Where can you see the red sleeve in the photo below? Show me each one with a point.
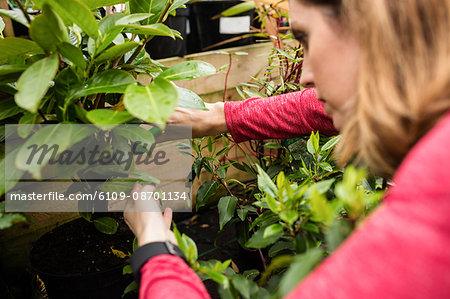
(284, 116)
(169, 277)
(402, 251)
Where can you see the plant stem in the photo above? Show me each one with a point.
(226, 77)
(23, 10)
(42, 115)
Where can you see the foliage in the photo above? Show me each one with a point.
(81, 68)
(294, 218)
(299, 206)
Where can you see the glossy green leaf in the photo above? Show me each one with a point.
(48, 30)
(206, 190)
(238, 9)
(152, 29)
(109, 81)
(132, 287)
(61, 135)
(34, 83)
(13, 47)
(154, 7)
(9, 108)
(106, 116)
(16, 15)
(106, 225)
(73, 54)
(177, 4)
(188, 70)
(133, 18)
(226, 207)
(265, 183)
(27, 119)
(265, 237)
(153, 103)
(189, 99)
(116, 51)
(75, 12)
(330, 143)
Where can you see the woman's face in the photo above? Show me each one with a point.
(331, 57)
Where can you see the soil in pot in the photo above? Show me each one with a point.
(75, 260)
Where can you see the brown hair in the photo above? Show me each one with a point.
(404, 78)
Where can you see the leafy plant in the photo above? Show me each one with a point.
(78, 67)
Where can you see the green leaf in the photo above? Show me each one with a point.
(8, 108)
(274, 206)
(321, 209)
(226, 207)
(116, 51)
(206, 190)
(9, 219)
(321, 187)
(75, 12)
(13, 47)
(99, 3)
(289, 216)
(34, 83)
(153, 29)
(109, 81)
(330, 143)
(337, 233)
(189, 99)
(242, 213)
(133, 18)
(135, 133)
(48, 30)
(299, 269)
(281, 246)
(16, 15)
(62, 135)
(127, 270)
(106, 225)
(265, 184)
(155, 7)
(2, 26)
(13, 172)
(188, 70)
(265, 236)
(106, 116)
(153, 103)
(73, 54)
(273, 145)
(238, 9)
(132, 287)
(242, 285)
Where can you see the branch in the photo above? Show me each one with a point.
(23, 10)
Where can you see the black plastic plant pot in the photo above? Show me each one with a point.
(56, 259)
(208, 30)
(162, 46)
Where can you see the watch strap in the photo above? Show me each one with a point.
(146, 252)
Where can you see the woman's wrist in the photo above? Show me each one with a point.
(214, 119)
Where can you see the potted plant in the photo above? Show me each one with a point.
(80, 68)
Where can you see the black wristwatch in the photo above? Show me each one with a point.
(144, 253)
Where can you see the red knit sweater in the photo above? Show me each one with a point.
(401, 251)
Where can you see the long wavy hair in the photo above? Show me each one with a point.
(404, 77)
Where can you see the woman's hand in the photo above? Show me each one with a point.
(204, 123)
(148, 226)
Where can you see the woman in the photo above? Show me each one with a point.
(382, 68)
